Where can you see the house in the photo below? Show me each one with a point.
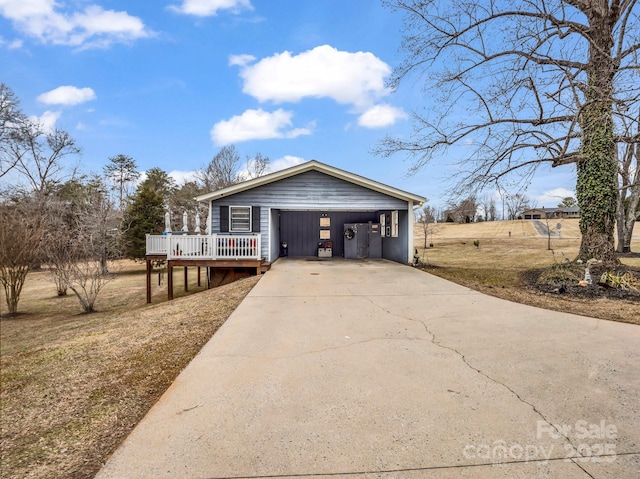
(309, 210)
(543, 213)
(311, 203)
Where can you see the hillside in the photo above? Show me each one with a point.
(500, 229)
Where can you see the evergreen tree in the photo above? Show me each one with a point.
(144, 214)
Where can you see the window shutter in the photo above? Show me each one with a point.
(255, 219)
(224, 219)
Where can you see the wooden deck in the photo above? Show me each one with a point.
(218, 246)
(255, 266)
(223, 252)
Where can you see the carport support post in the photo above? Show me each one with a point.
(410, 221)
(169, 281)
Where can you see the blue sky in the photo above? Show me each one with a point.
(169, 82)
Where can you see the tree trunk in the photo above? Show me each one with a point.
(597, 187)
(629, 219)
(597, 183)
(627, 206)
(104, 264)
(13, 280)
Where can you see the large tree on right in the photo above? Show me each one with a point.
(523, 83)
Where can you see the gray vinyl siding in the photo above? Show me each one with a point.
(311, 190)
(274, 240)
(315, 190)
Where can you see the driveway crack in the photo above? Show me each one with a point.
(436, 342)
(316, 351)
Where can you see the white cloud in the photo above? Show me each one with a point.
(47, 120)
(554, 196)
(93, 27)
(382, 115)
(182, 177)
(323, 72)
(256, 125)
(67, 95)
(241, 60)
(206, 8)
(286, 161)
(11, 45)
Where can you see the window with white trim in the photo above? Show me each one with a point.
(394, 224)
(240, 219)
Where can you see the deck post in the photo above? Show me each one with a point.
(198, 276)
(148, 281)
(169, 281)
(186, 278)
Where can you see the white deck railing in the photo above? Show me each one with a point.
(217, 246)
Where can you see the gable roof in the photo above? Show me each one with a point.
(313, 165)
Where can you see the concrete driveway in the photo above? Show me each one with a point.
(368, 369)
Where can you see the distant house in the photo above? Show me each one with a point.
(465, 212)
(544, 213)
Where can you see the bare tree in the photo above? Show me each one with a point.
(21, 231)
(84, 277)
(39, 153)
(11, 122)
(221, 171)
(629, 198)
(491, 214)
(80, 240)
(516, 203)
(256, 166)
(488, 206)
(426, 218)
(538, 80)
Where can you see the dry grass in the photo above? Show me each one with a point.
(500, 264)
(73, 386)
(570, 228)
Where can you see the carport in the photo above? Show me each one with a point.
(303, 233)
